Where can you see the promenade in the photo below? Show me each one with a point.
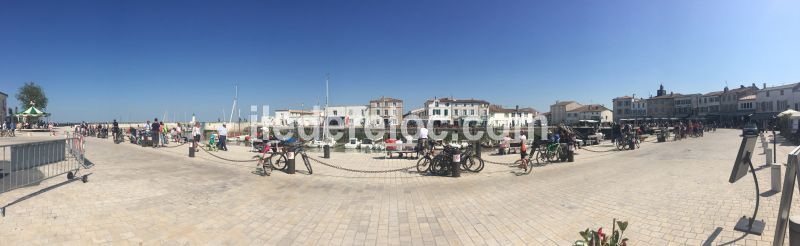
(674, 193)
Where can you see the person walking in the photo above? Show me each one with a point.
(223, 135)
(422, 142)
(196, 133)
(155, 130)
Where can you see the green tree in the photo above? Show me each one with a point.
(31, 92)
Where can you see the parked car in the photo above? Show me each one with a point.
(750, 129)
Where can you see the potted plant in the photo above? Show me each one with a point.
(599, 238)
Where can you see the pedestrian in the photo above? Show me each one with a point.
(155, 131)
(422, 142)
(223, 135)
(196, 133)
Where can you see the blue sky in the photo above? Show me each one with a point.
(99, 60)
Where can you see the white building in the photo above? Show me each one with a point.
(595, 112)
(773, 100)
(627, 107)
(503, 117)
(287, 117)
(448, 111)
(709, 104)
(347, 115)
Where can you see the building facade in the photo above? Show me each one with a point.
(747, 105)
(729, 103)
(687, 105)
(558, 111)
(288, 117)
(629, 108)
(709, 105)
(776, 99)
(4, 106)
(448, 111)
(593, 112)
(347, 115)
(662, 105)
(505, 117)
(385, 111)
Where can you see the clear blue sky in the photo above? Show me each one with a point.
(99, 60)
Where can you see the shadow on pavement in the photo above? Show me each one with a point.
(769, 193)
(713, 237)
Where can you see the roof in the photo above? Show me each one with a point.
(386, 99)
(780, 87)
(668, 96)
(451, 100)
(750, 97)
(4, 94)
(294, 111)
(623, 97)
(591, 108)
(564, 103)
(741, 89)
(500, 109)
(711, 94)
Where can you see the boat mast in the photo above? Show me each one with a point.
(235, 98)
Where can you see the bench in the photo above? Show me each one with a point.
(407, 150)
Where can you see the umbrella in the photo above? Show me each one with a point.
(789, 112)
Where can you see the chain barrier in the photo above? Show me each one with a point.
(170, 147)
(497, 163)
(360, 171)
(598, 151)
(226, 159)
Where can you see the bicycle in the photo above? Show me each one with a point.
(524, 164)
(265, 163)
(283, 156)
(470, 161)
(441, 164)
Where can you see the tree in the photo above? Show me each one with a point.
(31, 92)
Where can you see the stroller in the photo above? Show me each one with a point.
(212, 143)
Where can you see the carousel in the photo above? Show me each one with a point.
(31, 119)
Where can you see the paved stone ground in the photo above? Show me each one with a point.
(673, 193)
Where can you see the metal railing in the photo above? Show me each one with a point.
(30, 163)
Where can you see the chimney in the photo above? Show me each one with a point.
(726, 89)
(765, 86)
(741, 86)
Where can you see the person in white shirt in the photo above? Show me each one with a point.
(223, 135)
(422, 142)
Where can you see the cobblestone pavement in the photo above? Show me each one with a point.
(673, 193)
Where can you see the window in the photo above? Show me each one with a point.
(436, 104)
(386, 112)
(447, 104)
(767, 93)
(455, 112)
(781, 92)
(463, 112)
(335, 113)
(445, 112)
(378, 111)
(394, 104)
(471, 112)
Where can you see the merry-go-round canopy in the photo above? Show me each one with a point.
(32, 112)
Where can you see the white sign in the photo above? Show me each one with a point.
(457, 158)
(290, 155)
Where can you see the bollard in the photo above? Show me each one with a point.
(776, 177)
(290, 162)
(327, 151)
(769, 156)
(456, 165)
(794, 230)
(478, 149)
(191, 148)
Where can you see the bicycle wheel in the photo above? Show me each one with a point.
(480, 162)
(308, 163)
(552, 155)
(528, 166)
(423, 164)
(521, 164)
(280, 163)
(438, 166)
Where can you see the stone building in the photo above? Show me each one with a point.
(385, 111)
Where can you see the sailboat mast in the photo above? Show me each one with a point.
(235, 98)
